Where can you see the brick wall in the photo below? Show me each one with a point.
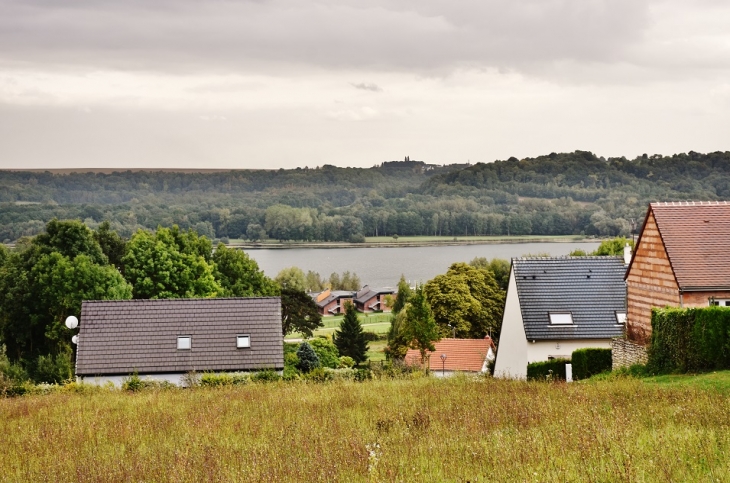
(701, 299)
(625, 353)
(650, 283)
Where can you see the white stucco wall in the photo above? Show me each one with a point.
(512, 351)
(118, 380)
(543, 350)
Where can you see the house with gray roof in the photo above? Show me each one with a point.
(165, 339)
(332, 302)
(370, 299)
(557, 305)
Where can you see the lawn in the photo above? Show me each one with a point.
(425, 429)
(719, 381)
(378, 323)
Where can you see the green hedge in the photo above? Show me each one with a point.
(541, 370)
(589, 362)
(690, 340)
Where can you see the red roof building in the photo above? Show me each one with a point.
(462, 355)
(681, 260)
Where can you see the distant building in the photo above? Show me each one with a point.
(373, 299)
(681, 260)
(462, 355)
(557, 305)
(332, 302)
(165, 339)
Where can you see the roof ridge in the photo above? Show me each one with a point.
(180, 299)
(690, 203)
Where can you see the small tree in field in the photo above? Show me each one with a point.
(420, 326)
(308, 359)
(350, 339)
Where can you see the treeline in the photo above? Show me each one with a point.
(557, 194)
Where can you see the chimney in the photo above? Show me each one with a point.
(627, 254)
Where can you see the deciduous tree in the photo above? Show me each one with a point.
(298, 313)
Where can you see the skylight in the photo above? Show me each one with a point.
(561, 318)
(184, 342)
(243, 341)
(621, 318)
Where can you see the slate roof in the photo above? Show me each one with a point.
(461, 355)
(367, 293)
(335, 294)
(696, 236)
(123, 336)
(592, 289)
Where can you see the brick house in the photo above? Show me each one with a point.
(680, 260)
(165, 339)
(373, 299)
(332, 302)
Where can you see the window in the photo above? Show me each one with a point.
(720, 302)
(184, 342)
(621, 318)
(561, 318)
(243, 341)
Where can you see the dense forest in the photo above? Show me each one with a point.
(556, 194)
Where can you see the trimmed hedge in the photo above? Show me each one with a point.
(541, 370)
(689, 340)
(589, 362)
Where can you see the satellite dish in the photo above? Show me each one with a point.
(75, 339)
(72, 322)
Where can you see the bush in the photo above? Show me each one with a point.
(268, 375)
(589, 362)
(132, 383)
(372, 336)
(689, 340)
(308, 359)
(53, 369)
(213, 379)
(326, 351)
(357, 238)
(547, 370)
(319, 374)
(346, 362)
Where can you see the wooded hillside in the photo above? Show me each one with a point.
(557, 194)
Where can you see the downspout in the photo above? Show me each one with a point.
(681, 298)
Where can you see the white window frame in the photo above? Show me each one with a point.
(240, 338)
(719, 303)
(560, 320)
(181, 342)
(620, 318)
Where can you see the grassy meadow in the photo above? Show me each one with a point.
(422, 429)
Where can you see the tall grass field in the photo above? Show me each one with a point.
(424, 429)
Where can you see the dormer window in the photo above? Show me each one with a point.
(561, 318)
(184, 342)
(621, 318)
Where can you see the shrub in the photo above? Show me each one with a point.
(53, 368)
(319, 374)
(688, 340)
(372, 336)
(211, 379)
(357, 238)
(346, 362)
(268, 375)
(132, 383)
(326, 351)
(308, 359)
(589, 362)
(547, 370)
(291, 374)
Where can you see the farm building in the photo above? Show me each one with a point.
(165, 339)
(557, 305)
(681, 260)
(373, 299)
(456, 355)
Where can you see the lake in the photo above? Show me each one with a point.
(382, 267)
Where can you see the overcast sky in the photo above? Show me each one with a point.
(286, 83)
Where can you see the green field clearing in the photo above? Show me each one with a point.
(424, 429)
(376, 323)
(719, 381)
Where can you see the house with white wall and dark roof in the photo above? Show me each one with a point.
(556, 305)
(166, 339)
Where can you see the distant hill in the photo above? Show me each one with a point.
(555, 194)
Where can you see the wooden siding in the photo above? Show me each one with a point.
(650, 283)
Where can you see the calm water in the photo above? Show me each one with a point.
(382, 267)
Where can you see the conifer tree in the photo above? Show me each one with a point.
(350, 339)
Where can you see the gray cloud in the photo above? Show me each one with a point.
(235, 36)
(367, 87)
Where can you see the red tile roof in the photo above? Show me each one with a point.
(697, 239)
(461, 354)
